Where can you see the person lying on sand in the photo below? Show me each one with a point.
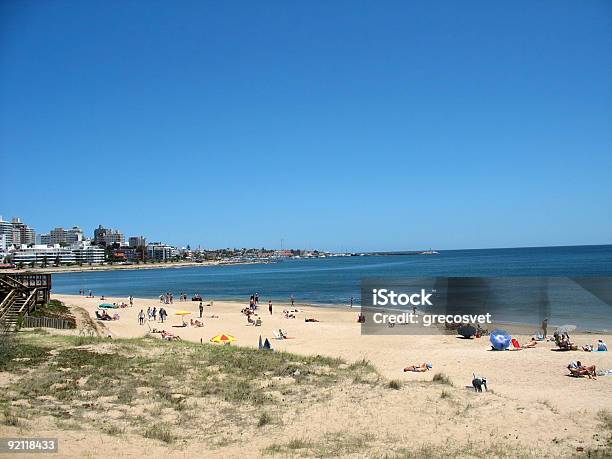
(530, 344)
(310, 320)
(195, 323)
(419, 368)
(578, 369)
(170, 336)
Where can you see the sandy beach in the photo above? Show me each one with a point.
(529, 375)
(533, 408)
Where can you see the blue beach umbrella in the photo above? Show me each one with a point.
(500, 339)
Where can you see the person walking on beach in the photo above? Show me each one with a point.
(545, 327)
(154, 313)
(201, 308)
(162, 314)
(292, 300)
(270, 306)
(149, 313)
(141, 317)
(131, 301)
(352, 300)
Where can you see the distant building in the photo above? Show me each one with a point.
(107, 236)
(138, 241)
(63, 236)
(42, 254)
(20, 233)
(86, 253)
(159, 252)
(3, 243)
(6, 230)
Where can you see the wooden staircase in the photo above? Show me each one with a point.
(19, 295)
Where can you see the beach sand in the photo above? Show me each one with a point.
(531, 403)
(528, 375)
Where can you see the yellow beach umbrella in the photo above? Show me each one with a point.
(182, 313)
(225, 339)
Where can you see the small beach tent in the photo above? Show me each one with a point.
(467, 330)
(108, 306)
(500, 339)
(224, 339)
(260, 343)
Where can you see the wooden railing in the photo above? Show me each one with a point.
(33, 280)
(46, 322)
(12, 283)
(27, 282)
(29, 304)
(6, 302)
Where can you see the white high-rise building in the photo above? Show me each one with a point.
(86, 253)
(41, 254)
(6, 230)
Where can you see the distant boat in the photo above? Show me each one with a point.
(429, 252)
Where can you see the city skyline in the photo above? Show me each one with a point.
(127, 241)
(369, 128)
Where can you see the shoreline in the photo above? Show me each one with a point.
(118, 267)
(524, 328)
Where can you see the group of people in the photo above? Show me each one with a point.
(564, 343)
(562, 340)
(166, 298)
(599, 347)
(89, 293)
(152, 314)
(254, 301)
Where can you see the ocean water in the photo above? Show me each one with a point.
(335, 280)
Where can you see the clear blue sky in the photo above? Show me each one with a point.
(342, 124)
